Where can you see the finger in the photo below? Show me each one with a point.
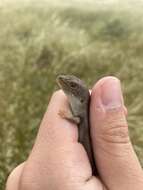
(14, 178)
(57, 158)
(116, 160)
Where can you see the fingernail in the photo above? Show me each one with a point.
(111, 94)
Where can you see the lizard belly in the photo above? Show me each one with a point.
(85, 140)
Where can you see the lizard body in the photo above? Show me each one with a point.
(79, 97)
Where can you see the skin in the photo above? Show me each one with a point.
(58, 162)
(78, 97)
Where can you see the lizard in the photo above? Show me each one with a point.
(79, 98)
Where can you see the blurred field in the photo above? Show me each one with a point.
(38, 42)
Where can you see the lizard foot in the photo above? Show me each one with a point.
(68, 115)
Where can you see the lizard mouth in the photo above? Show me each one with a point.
(61, 82)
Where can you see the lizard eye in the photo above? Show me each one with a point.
(73, 85)
(82, 100)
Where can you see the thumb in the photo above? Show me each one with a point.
(116, 160)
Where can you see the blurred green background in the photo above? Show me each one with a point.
(40, 40)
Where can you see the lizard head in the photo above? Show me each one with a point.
(73, 87)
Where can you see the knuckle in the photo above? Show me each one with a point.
(29, 181)
(116, 132)
(57, 93)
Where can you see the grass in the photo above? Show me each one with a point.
(39, 42)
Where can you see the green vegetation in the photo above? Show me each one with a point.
(39, 42)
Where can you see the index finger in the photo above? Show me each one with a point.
(57, 154)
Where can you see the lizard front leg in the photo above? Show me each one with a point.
(69, 116)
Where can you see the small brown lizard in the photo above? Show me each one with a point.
(79, 97)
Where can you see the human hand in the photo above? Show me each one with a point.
(58, 162)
